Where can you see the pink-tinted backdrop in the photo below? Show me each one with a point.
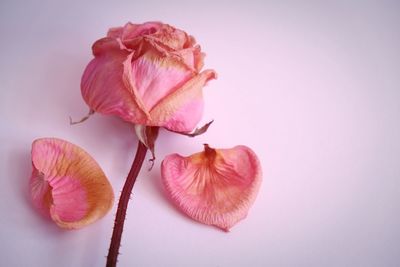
(313, 88)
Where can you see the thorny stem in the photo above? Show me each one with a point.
(123, 204)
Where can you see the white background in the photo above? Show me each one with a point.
(312, 87)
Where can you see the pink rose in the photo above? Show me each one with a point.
(148, 74)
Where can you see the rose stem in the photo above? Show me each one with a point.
(123, 204)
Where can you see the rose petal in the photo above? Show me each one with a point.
(132, 31)
(67, 184)
(215, 187)
(174, 38)
(155, 77)
(115, 32)
(186, 118)
(192, 57)
(104, 84)
(164, 34)
(172, 111)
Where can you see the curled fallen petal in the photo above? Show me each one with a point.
(67, 184)
(91, 112)
(215, 187)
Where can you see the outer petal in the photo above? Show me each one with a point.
(155, 77)
(67, 184)
(192, 57)
(115, 32)
(215, 187)
(105, 83)
(181, 110)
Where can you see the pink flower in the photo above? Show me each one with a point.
(148, 74)
(216, 186)
(67, 184)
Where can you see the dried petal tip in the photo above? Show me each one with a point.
(216, 186)
(67, 184)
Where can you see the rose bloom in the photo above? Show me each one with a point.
(148, 74)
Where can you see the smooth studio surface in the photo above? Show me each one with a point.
(312, 88)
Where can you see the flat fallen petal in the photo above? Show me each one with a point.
(216, 186)
(67, 184)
